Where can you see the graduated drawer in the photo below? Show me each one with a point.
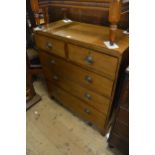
(49, 44)
(78, 107)
(98, 61)
(95, 100)
(77, 74)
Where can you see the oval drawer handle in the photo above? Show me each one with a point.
(55, 77)
(88, 96)
(87, 111)
(49, 45)
(52, 61)
(88, 78)
(89, 59)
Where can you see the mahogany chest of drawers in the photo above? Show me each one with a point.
(81, 72)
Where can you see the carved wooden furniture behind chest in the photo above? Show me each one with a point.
(81, 10)
(119, 135)
(81, 72)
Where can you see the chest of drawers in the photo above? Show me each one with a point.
(81, 73)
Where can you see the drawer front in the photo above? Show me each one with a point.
(80, 76)
(95, 100)
(100, 62)
(52, 45)
(78, 107)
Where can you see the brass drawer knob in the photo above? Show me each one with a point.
(88, 78)
(49, 45)
(52, 61)
(87, 111)
(89, 59)
(88, 96)
(55, 77)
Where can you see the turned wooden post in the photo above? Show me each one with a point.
(114, 17)
(35, 9)
(46, 15)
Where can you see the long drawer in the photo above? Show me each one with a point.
(95, 100)
(78, 107)
(79, 75)
(94, 60)
(54, 46)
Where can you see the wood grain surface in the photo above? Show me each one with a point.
(52, 130)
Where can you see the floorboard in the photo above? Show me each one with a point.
(52, 130)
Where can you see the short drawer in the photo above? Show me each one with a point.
(52, 45)
(78, 75)
(98, 61)
(95, 100)
(78, 107)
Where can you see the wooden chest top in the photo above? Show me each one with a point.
(86, 35)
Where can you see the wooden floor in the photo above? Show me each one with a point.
(52, 130)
